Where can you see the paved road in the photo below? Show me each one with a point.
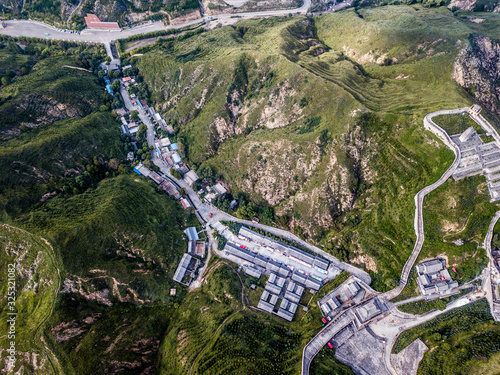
(419, 198)
(205, 209)
(267, 13)
(390, 327)
(321, 339)
(37, 29)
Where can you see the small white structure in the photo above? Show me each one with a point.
(176, 158)
(191, 177)
(219, 189)
(465, 136)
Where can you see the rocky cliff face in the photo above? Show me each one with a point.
(478, 70)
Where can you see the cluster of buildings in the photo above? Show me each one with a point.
(213, 191)
(478, 157)
(160, 121)
(308, 260)
(186, 270)
(128, 127)
(163, 182)
(433, 279)
(281, 296)
(167, 151)
(286, 282)
(164, 148)
(349, 293)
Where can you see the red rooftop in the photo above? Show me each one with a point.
(93, 22)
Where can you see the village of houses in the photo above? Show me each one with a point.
(168, 152)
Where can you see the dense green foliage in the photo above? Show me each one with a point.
(49, 128)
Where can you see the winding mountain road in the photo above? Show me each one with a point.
(419, 197)
(313, 347)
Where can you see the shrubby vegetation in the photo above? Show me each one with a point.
(457, 340)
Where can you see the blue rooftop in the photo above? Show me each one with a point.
(108, 89)
(174, 146)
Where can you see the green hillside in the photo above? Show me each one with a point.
(123, 226)
(321, 118)
(37, 282)
(216, 331)
(50, 127)
(94, 293)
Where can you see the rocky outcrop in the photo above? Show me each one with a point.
(477, 69)
(475, 5)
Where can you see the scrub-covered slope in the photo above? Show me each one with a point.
(321, 118)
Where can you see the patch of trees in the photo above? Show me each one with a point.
(310, 125)
(94, 172)
(141, 90)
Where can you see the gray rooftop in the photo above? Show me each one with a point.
(266, 306)
(192, 234)
(252, 272)
(239, 252)
(285, 314)
(273, 288)
(182, 268)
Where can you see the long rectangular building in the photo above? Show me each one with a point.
(182, 268)
(237, 251)
(294, 253)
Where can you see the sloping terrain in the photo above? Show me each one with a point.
(321, 118)
(92, 294)
(29, 264)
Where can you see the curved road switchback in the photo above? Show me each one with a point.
(313, 347)
(419, 197)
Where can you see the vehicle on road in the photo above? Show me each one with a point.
(210, 215)
(330, 345)
(243, 247)
(46, 34)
